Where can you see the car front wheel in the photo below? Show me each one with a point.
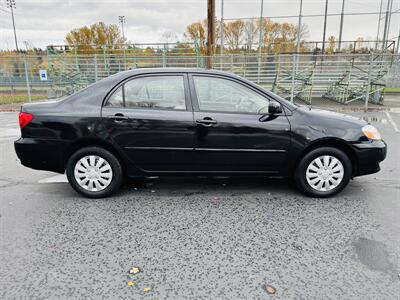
(94, 172)
(323, 172)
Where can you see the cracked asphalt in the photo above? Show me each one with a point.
(201, 238)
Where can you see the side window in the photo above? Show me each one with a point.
(217, 94)
(153, 92)
(163, 92)
(116, 99)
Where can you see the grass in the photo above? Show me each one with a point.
(12, 99)
(392, 90)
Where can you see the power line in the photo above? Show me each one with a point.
(308, 16)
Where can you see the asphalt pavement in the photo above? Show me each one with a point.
(200, 238)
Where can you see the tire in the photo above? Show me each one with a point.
(96, 165)
(334, 172)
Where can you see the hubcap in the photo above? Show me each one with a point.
(93, 173)
(325, 173)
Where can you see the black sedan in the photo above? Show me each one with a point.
(189, 121)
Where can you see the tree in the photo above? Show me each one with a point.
(233, 32)
(168, 37)
(282, 37)
(98, 34)
(197, 33)
(250, 32)
(331, 45)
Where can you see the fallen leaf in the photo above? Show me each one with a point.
(270, 289)
(134, 270)
(147, 289)
(131, 283)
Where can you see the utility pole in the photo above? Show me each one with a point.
(385, 29)
(260, 40)
(390, 18)
(122, 21)
(341, 27)
(222, 27)
(379, 25)
(11, 6)
(210, 30)
(28, 84)
(398, 42)
(324, 35)
(299, 27)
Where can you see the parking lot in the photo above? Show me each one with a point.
(202, 238)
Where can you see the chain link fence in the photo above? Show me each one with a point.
(342, 78)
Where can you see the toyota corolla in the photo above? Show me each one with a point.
(156, 122)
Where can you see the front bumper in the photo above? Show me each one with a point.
(368, 156)
(41, 154)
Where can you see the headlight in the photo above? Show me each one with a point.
(371, 132)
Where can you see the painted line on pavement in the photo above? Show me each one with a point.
(61, 178)
(394, 125)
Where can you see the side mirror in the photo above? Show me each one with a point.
(275, 108)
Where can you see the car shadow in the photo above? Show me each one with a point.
(197, 185)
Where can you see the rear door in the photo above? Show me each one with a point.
(150, 118)
(229, 136)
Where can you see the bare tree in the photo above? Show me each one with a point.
(169, 37)
(250, 33)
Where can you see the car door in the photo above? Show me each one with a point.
(150, 118)
(229, 135)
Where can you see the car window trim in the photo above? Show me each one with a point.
(188, 102)
(195, 101)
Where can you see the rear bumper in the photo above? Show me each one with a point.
(41, 154)
(369, 155)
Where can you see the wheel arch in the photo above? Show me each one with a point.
(93, 142)
(334, 143)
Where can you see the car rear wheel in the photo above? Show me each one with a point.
(94, 172)
(323, 172)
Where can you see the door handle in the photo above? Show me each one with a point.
(118, 117)
(207, 122)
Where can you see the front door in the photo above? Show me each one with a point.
(151, 120)
(229, 136)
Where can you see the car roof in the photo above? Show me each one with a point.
(97, 91)
(133, 72)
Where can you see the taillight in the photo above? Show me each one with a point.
(24, 119)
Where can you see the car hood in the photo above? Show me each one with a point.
(333, 116)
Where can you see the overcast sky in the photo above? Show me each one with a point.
(46, 22)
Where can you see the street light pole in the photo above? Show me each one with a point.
(122, 21)
(11, 5)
